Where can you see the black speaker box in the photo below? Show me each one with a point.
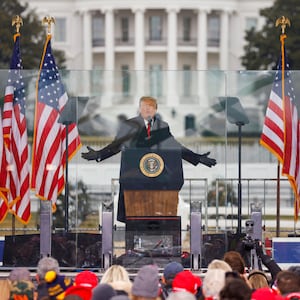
(214, 247)
(154, 236)
(71, 250)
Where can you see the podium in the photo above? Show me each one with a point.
(151, 181)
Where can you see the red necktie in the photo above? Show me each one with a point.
(148, 128)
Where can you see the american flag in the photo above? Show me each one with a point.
(49, 144)
(15, 138)
(3, 176)
(280, 132)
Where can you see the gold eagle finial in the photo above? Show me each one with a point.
(48, 20)
(18, 21)
(283, 22)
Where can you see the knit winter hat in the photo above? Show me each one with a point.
(186, 281)
(18, 274)
(146, 282)
(171, 269)
(103, 291)
(57, 285)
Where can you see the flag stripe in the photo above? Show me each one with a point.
(49, 144)
(3, 176)
(15, 138)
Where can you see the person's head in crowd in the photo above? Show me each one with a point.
(103, 291)
(21, 289)
(146, 283)
(148, 107)
(87, 279)
(213, 282)
(264, 293)
(83, 284)
(18, 274)
(183, 295)
(219, 264)
(57, 285)
(166, 280)
(186, 281)
(46, 264)
(115, 273)
(170, 271)
(258, 279)
(235, 289)
(235, 261)
(287, 282)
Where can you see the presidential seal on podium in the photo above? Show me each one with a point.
(151, 165)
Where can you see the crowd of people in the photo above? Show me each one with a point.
(224, 279)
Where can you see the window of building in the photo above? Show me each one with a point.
(60, 30)
(156, 80)
(98, 30)
(251, 23)
(155, 27)
(187, 80)
(125, 80)
(186, 29)
(213, 29)
(124, 29)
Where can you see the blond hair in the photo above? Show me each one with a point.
(115, 273)
(219, 264)
(149, 100)
(258, 279)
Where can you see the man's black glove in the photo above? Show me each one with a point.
(205, 160)
(91, 155)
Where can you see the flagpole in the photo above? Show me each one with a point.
(18, 22)
(283, 22)
(278, 201)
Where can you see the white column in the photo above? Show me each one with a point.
(109, 61)
(202, 40)
(139, 56)
(224, 44)
(202, 57)
(109, 40)
(87, 53)
(87, 41)
(172, 95)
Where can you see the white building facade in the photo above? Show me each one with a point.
(125, 49)
(140, 35)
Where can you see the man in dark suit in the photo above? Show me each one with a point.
(144, 131)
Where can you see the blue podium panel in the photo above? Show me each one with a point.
(286, 251)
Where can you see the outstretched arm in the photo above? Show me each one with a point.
(195, 158)
(91, 154)
(127, 132)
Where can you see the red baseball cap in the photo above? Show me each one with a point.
(186, 281)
